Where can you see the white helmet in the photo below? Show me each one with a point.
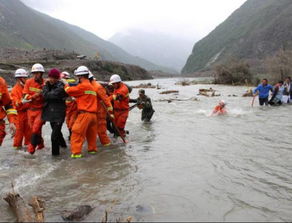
(90, 75)
(37, 68)
(21, 73)
(115, 78)
(222, 102)
(65, 75)
(82, 70)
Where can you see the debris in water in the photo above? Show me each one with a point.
(177, 99)
(169, 92)
(77, 214)
(208, 92)
(22, 211)
(149, 85)
(248, 93)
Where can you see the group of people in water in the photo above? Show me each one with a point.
(281, 93)
(89, 107)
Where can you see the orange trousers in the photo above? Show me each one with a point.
(22, 129)
(102, 128)
(2, 131)
(70, 119)
(35, 124)
(121, 117)
(84, 128)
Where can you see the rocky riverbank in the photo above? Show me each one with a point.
(12, 59)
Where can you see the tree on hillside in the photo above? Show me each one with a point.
(234, 72)
(280, 65)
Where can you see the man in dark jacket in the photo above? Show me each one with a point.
(54, 110)
(144, 102)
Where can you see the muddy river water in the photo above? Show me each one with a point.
(183, 166)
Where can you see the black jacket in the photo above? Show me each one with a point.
(55, 107)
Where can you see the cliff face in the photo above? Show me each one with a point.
(12, 59)
(258, 29)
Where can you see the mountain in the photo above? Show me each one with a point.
(23, 27)
(159, 48)
(258, 29)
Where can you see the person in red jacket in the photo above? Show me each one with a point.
(85, 125)
(220, 109)
(120, 98)
(6, 109)
(21, 105)
(103, 106)
(33, 94)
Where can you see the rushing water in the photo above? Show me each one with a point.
(184, 166)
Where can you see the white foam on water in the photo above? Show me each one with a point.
(204, 112)
(32, 176)
(237, 112)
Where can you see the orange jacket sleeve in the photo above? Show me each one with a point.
(122, 91)
(74, 91)
(101, 94)
(5, 101)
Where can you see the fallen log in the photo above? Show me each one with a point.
(149, 85)
(38, 207)
(169, 92)
(20, 208)
(177, 99)
(77, 214)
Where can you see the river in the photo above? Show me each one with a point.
(183, 166)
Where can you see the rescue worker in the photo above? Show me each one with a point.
(71, 105)
(120, 99)
(54, 110)
(85, 125)
(103, 106)
(144, 102)
(6, 109)
(277, 94)
(33, 92)
(21, 105)
(263, 90)
(220, 109)
(66, 76)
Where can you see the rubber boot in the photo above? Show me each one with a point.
(31, 149)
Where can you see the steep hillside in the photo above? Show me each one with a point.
(23, 27)
(159, 48)
(256, 30)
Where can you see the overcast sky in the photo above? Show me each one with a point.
(192, 19)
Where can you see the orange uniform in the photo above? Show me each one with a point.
(32, 91)
(85, 125)
(219, 110)
(6, 109)
(71, 112)
(102, 101)
(22, 126)
(121, 107)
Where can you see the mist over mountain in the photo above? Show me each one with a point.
(258, 29)
(157, 47)
(23, 27)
